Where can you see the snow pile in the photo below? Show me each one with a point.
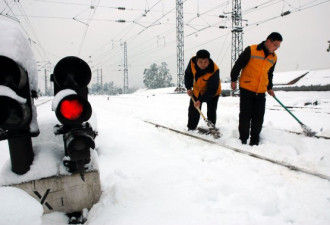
(153, 176)
(14, 45)
(19, 208)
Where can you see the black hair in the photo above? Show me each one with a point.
(274, 36)
(202, 54)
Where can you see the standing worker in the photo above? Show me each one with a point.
(257, 63)
(202, 80)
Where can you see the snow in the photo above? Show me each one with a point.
(316, 77)
(24, 210)
(15, 45)
(285, 77)
(151, 175)
(312, 77)
(6, 91)
(60, 95)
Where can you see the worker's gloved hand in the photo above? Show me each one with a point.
(197, 104)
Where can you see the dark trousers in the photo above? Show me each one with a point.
(193, 114)
(252, 111)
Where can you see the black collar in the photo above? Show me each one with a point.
(262, 46)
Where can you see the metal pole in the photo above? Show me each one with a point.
(21, 154)
(237, 31)
(180, 44)
(125, 69)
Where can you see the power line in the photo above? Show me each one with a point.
(92, 12)
(29, 24)
(307, 6)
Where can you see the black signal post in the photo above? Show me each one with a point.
(16, 114)
(71, 76)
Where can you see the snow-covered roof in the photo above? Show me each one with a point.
(312, 77)
(286, 77)
(316, 77)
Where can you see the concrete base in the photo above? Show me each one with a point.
(65, 193)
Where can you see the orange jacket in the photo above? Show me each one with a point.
(200, 86)
(254, 76)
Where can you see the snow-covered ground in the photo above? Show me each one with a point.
(153, 176)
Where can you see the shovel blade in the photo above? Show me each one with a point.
(213, 130)
(308, 131)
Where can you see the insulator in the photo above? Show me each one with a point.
(285, 13)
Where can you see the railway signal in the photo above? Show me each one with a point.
(71, 76)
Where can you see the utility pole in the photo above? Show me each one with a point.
(180, 45)
(99, 80)
(46, 88)
(237, 31)
(125, 69)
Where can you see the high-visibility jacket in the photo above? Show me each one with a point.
(254, 76)
(200, 86)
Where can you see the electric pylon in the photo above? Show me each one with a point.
(237, 31)
(180, 45)
(125, 69)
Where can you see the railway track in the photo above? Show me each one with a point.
(251, 154)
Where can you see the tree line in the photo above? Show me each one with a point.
(156, 76)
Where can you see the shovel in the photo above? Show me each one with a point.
(306, 130)
(214, 131)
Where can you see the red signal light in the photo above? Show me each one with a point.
(71, 109)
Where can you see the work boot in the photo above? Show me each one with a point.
(254, 142)
(244, 141)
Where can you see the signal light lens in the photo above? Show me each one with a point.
(13, 114)
(71, 109)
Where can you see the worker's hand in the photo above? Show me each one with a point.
(271, 92)
(197, 104)
(189, 92)
(233, 85)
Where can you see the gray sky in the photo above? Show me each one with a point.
(91, 31)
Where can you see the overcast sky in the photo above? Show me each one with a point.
(91, 30)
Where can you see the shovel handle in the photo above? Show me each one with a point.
(199, 110)
(288, 110)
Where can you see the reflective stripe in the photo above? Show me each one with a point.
(257, 57)
(254, 76)
(271, 61)
(263, 58)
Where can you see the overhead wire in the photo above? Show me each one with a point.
(104, 55)
(136, 22)
(264, 5)
(150, 51)
(10, 9)
(91, 15)
(37, 41)
(291, 12)
(33, 40)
